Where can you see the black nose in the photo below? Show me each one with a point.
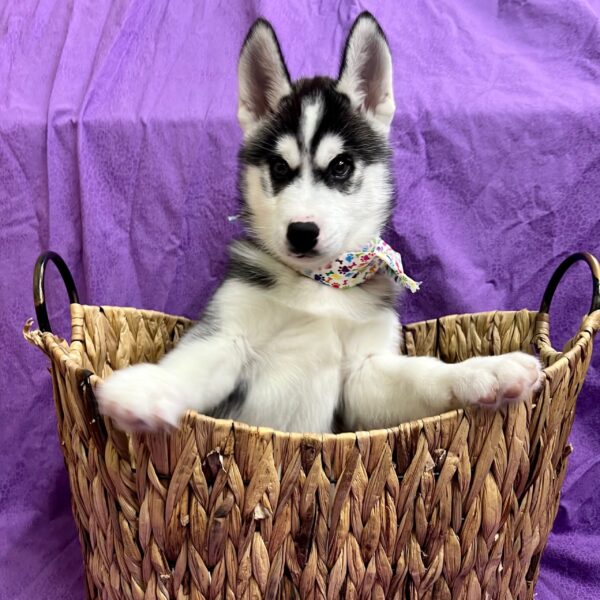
(302, 236)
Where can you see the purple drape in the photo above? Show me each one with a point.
(118, 144)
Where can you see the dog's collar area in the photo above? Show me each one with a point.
(355, 267)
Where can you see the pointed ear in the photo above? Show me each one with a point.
(262, 75)
(366, 71)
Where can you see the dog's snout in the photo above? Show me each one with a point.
(302, 236)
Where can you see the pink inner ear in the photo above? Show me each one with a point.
(259, 84)
(263, 74)
(372, 75)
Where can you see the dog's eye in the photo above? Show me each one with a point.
(280, 170)
(341, 167)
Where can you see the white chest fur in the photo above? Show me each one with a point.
(301, 339)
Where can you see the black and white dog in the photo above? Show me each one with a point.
(277, 348)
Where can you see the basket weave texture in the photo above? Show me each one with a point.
(454, 506)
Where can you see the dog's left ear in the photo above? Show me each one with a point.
(262, 75)
(366, 71)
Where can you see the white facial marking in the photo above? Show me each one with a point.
(311, 116)
(329, 147)
(287, 147)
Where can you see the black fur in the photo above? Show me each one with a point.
(230, 407)
(244, 269)
(361, 141)
(388, 301)
(338, 424)
(278, 182)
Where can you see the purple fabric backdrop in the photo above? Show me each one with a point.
(117, 149)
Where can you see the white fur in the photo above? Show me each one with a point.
(287, 146)
(344, 221)
(329, 147)
(311, 116)
(299, 346)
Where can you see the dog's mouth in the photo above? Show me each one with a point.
(303, 260)
(304, 255)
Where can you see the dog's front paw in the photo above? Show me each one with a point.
(144, 397)
(497, 380)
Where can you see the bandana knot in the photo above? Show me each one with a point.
(354, 268)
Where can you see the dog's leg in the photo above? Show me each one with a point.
(198, 374)
(383, 388)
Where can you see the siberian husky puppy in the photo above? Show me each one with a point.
(281, 344)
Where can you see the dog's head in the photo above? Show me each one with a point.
(316, 160)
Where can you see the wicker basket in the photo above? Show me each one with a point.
(454, 506)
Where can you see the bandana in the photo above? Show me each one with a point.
(354, 268)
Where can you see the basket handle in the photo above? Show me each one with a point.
(90, 405)
(39, 297)
(542, 334)
(564, 266)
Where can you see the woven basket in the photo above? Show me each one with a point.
(455, 506)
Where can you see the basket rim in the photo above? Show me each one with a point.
(264, 432)
(193, 416)
(51, 343)
(151, 311)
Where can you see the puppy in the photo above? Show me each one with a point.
(291, 340)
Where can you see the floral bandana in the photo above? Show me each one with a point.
(354, 268)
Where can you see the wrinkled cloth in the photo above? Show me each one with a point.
(118, 142)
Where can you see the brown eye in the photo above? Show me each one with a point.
(341, 167)
(280, 170)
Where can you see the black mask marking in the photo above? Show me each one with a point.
(361, 142)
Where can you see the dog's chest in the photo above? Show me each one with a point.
(299, 338)
(294, 379)
(296, 340)
(307, 321)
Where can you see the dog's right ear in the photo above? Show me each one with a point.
(263, 77)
